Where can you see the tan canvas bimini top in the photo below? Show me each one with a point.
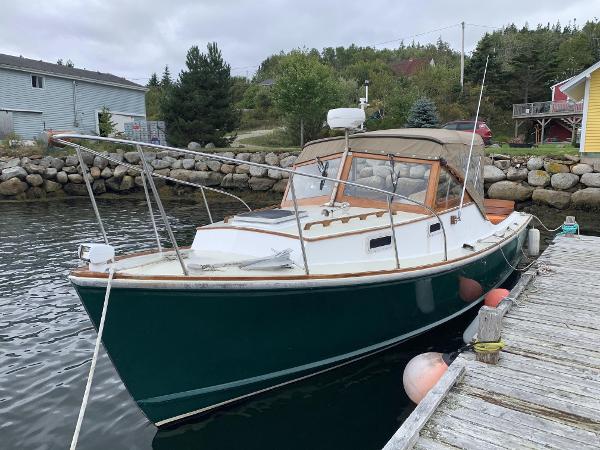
(420, 143)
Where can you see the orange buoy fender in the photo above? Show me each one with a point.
(495, 296)
(468, 289)
(422, 373)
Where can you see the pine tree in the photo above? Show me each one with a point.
(153, 81)
(199, 106)
(423, 114)
(166, 81)
(105, 124)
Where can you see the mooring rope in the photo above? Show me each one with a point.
(544, 226)
(524, 269)
(88, 386)
(477, 347)
(488, 347)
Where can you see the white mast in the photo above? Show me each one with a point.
(464, 188)
(462, 58)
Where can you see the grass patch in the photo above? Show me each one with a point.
(540, 150)
(277, 138)
(18, 152)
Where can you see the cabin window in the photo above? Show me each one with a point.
(448, 191)
(307, 187)
(383, 241)
(409, 179)
(37, 81)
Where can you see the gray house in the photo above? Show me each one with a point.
(37, 96)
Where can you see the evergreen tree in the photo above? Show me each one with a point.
(153, 81)
(423, 114)
(199, 106)
(105, 123)
(166, 81)
(154, 97)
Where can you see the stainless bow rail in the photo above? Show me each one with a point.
(148, 175)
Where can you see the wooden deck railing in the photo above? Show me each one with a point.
(539, 109)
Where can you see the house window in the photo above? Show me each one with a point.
(37, 81)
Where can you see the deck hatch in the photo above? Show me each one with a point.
(272, 216)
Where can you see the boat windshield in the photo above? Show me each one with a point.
(409, 179)
(311, 187)
(448, 191)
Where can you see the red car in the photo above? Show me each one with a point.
(467, 125)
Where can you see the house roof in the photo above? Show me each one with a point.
(32, 65)
(268, 82)
(408, 67)
(559, 83)
(575, 87)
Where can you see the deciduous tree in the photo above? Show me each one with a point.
(304, 90)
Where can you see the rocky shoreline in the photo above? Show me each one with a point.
(38, 177)
(557, 182)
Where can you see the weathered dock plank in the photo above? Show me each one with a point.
(544, 392)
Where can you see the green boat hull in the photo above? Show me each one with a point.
(183, 352)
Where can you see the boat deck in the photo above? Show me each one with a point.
(545, 390)
(168, 265)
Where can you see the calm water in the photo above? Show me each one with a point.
(46, 343)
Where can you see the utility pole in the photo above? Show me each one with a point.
(462, 58)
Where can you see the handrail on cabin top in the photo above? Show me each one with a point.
(61, 138)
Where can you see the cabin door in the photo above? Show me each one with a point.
(6, 123)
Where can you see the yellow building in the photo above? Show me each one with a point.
(586, 87)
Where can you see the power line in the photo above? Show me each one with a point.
(379, 43)
(376, 44)
(414, 35)
(484, 26)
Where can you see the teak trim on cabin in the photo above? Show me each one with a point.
(381, 213)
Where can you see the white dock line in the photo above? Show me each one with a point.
(88, 386)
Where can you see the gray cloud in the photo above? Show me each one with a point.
(135, 38)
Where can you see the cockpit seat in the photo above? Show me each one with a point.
(497, 210)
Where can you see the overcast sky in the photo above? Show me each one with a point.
(135, 38)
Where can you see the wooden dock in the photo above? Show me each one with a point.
(545, 390)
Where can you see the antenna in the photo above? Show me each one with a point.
(464, 188)
(364, 101)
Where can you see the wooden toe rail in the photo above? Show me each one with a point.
(344, 219)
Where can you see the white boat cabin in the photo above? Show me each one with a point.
(347, 229)
(344, 229)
